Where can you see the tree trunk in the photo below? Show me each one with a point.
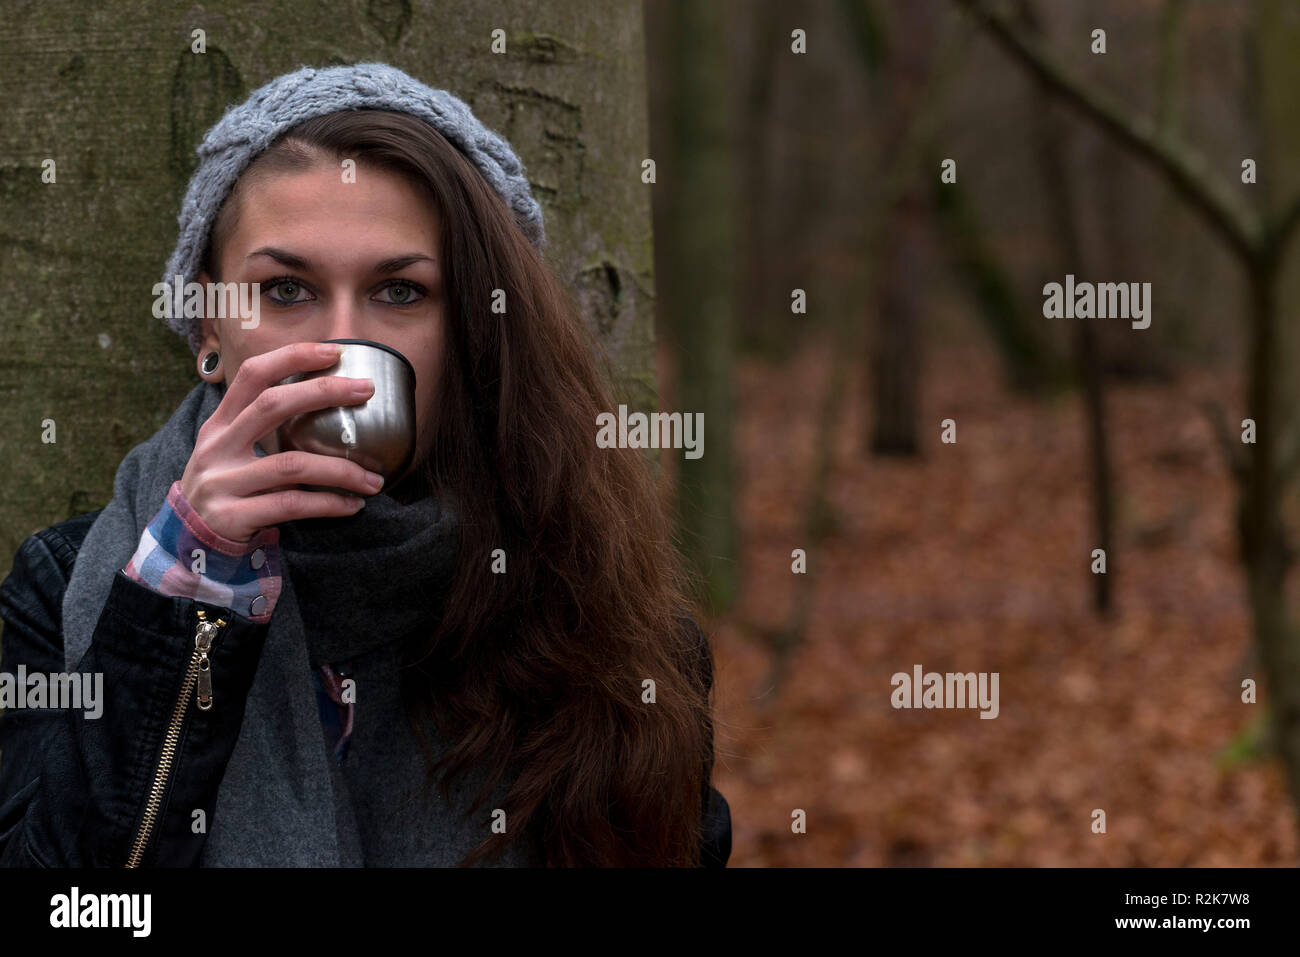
(1091, 375)
(1265, 549)
(698, 245)
(759, 300)
(121, 102)
(1053, 148)
(896, 342)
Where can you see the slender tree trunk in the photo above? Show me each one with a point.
(1266, 546)
(699, 241)
(1265, 549)
(765, 328)
(895, 344)
(1093, 376)
(896, 341)
(1058, 180)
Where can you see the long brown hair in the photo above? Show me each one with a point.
(537, 673)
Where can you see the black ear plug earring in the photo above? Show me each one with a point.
(210, 363)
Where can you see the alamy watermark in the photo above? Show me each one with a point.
(54, 690)
(951, 690)
(658, 430)
(75, 909)
(1104, 300)
(220, 300)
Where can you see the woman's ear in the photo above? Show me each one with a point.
(210, 365)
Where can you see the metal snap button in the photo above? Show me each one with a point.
(257, 605)
(257, 559)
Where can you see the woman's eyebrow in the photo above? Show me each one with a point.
(397, 263)
(383, 267)
(284, 257)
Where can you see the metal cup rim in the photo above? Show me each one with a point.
(378, 345)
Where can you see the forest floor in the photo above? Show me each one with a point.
(976, 557)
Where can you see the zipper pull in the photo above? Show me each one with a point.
(203, 637)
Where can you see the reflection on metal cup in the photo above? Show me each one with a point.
(380, 433)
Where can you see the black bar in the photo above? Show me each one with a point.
(992, 905)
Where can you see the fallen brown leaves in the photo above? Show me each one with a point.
(975, 558)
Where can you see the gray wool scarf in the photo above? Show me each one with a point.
(353, 588)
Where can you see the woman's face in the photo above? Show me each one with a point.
(336, 260)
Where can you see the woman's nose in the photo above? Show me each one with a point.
(345, 322)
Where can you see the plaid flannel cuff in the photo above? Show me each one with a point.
(180, 555)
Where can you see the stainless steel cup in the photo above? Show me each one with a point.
(378, 434)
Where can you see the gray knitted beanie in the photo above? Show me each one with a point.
(248, 129)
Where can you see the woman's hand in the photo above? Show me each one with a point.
(237, 493)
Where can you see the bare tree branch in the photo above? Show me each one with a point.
(1182, 166)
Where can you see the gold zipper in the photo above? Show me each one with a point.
(199, 673)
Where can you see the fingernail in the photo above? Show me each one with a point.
(375, 480)
(329, 350)
(362, 387)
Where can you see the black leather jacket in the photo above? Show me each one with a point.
(81, 792)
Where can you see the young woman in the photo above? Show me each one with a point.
(288, 672)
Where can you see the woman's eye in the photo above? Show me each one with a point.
(287, 291)
(401, 293)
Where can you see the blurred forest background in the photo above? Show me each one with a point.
(816, 289)
(820, 171)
